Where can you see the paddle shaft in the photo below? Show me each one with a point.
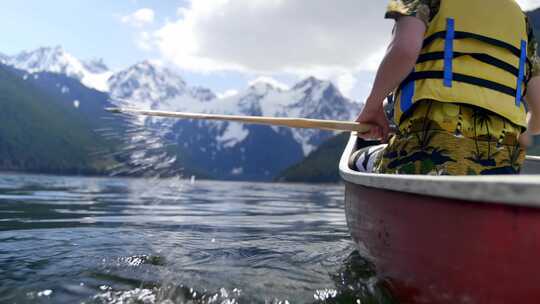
(304, 123)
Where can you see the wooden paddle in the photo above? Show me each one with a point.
(304, 123)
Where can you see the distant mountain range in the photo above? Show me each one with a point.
(214, 149)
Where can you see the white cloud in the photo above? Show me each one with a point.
(346, 83)
(144, 41)
(227, 93)
(275, 36)
(373, 61)
(140, 18)
(269, 80)
(529, 4)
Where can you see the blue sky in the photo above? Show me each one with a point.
(84, 28)
(219, 44)
(94, 29)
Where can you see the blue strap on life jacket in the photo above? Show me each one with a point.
(521, 77)
(449, 52)
(407, 94)
(407, 91)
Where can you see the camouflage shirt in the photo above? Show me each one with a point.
(426, 10)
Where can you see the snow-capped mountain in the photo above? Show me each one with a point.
(149, 86)
(202, 94)
(3, 58)
(232, 150)
(222, 149)
(56, 60)
(96, 66)
(310, 98)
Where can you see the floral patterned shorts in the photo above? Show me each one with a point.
(452, 139)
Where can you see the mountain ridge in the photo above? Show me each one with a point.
(57, 60)
(224, 150)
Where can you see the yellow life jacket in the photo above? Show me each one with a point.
(474, 52)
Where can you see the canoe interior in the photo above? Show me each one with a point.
(531, 165)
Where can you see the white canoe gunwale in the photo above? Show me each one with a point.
(518, 190)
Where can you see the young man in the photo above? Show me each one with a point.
(464, 107)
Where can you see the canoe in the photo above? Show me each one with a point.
(448, 239)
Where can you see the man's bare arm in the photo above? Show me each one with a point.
(398, 63)
(533, 118)
(400, 58)
(533, 100)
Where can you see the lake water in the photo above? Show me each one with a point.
(101, 240)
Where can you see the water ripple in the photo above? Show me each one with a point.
(99, 240)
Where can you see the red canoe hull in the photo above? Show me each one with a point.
(435, 250)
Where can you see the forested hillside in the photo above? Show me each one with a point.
(40, 134)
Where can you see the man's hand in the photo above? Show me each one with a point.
(373, 113)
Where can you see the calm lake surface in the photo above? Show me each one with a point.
(101, 240)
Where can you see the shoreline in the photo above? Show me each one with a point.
(185, 178)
